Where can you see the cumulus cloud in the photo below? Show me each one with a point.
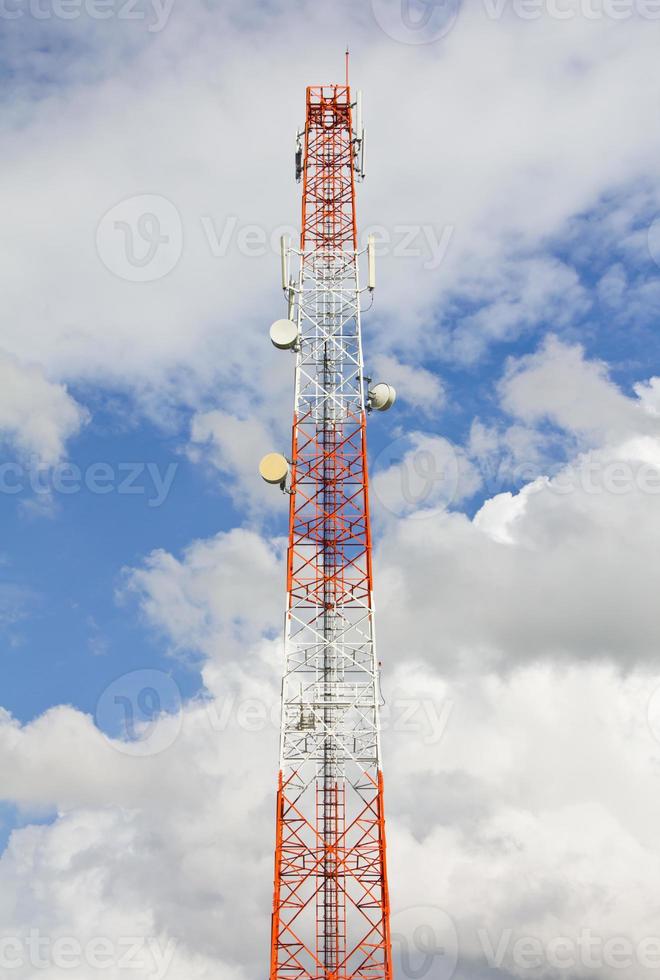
(218, 597)
(529, 816)
(37, 416)
(132, 858)
(564, 568)
(561, 402)
(532, 817)
(557, 383)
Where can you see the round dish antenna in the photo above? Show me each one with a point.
(382, 396)
(274, 468)
(284, 334)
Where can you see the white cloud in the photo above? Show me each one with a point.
(234, 446)
(419, 387)
(557, 383)
(37, 416)
(527, 796)
(419, 472)
(218, 598)
(561, 402)
(144, 848)
(574, 580)
(173, 848)
(648, 393)
(533, 815)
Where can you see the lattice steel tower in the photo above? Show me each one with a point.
(331, 907)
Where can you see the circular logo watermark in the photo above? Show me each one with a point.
(140, 713)
(424, 943)
(412, 476)
(140, 239)
(416, 21)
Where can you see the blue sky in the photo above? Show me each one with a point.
(71, 635)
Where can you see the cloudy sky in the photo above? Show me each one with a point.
(513, 153)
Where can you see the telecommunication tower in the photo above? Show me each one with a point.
(331, 905)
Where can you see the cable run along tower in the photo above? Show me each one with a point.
(331, 907)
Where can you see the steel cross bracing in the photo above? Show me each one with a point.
(331, 906)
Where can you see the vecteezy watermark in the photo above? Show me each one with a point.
(135, 479)
(593, 477)
(424, 943)
(141, 238)
(416, 474)
(155, 14)
(416, 21)
(567, 10)
(141, 713)
(427, 242)
(41, 952)
(421, 716)
(426, 21)
(585, 951)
